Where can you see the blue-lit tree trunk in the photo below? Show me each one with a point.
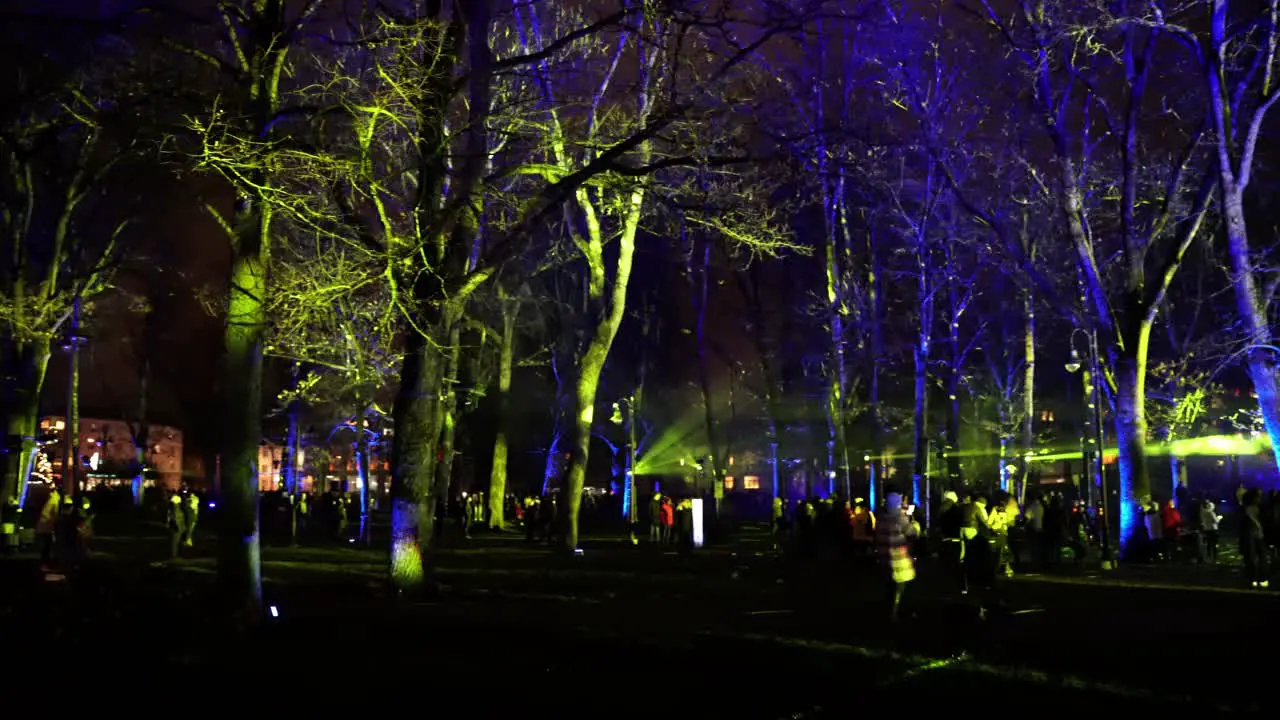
(292, 442)
(926, 294)
(836, 238)
(839, 313)
(1237, 130)
(1124, 303)
(955, 374)
(1028, 386)
(141, 431)
(960, 292)
(876, 465)
(362, 469)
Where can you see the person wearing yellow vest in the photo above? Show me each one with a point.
(177, 524)
(193, 514)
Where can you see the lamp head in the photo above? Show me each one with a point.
(1073, 365)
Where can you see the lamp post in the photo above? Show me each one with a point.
(71, 429)
(1092, 441)
(624, 411)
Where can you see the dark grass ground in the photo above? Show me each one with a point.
(633, 632)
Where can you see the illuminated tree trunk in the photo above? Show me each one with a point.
(292, 441)
(1131, 433)
(592, 360)
(239, 561)
(506, 360)
(1028, 390)
(448, 416)
(920, 415)
(955, 372)
(876, 464)
(415, 419)
(1003, 463)
(1177, 473)
(27, 364)
(142, 434)
(1237, 134)
(362, 470)
(1252, 313)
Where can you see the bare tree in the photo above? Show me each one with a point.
(1102, 168)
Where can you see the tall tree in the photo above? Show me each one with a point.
(1238, 58)
(60, 143)
(1102, 167)
(247, 134)
(509, 309)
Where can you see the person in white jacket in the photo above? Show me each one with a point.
(1208, 544)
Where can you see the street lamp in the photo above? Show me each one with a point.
(1091, 441)
(71, 433)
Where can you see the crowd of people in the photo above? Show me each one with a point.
(977, 538)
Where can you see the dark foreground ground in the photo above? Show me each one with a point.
(635, 632)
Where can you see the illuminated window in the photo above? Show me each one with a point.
(728, 483)
(751, 482)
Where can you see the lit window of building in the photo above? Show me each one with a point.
(751, 482)
(728, 482)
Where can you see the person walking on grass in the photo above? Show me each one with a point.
(893, 538)
(1252, 548)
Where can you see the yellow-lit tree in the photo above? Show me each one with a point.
(58, 149)
(247, 132)
(625, 84)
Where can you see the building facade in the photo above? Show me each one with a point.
(107, 451)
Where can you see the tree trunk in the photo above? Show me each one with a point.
(718, 451)
(413, 459)
(362, 470)
(954, 375)
(1003, 464)
(920, 429)
(1131, 435)
(71, 438)
(289, 462)
(876, 469)
(591, 364)
(239, 560)
(498, 474)
(1177, 473)
(141, 435)
(1252, 312)
(579, 435)
(26, 372)
(447, 415)
(1028, 391)
(560, 414)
